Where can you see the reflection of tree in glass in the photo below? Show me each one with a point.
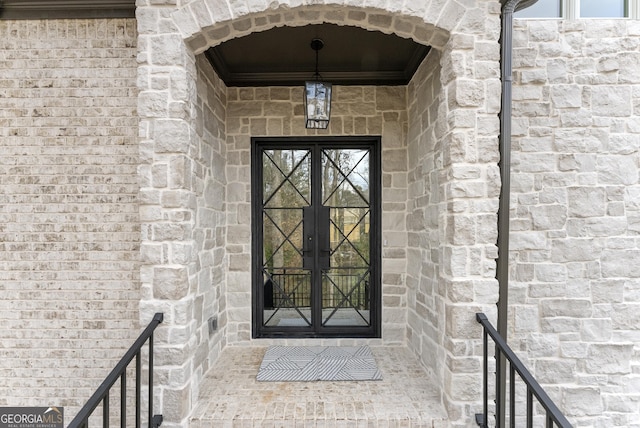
(286, 189)
(345, 171)
(345, 189)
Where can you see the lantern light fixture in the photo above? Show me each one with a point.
(317, 96)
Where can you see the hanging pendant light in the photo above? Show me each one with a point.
(317, 96)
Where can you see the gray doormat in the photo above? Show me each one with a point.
(312, 363)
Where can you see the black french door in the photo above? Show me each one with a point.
(316, 237)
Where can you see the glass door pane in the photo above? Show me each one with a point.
(346, 278)
(286, 190)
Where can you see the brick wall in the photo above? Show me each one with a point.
(69, 227)
(575, 282)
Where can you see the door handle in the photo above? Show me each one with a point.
(310, 234)
(307, 237)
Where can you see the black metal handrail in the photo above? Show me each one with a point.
(503, 352)
(293, 290)
(120, 372)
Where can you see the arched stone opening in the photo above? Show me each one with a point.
(440, 181)
(202, 26)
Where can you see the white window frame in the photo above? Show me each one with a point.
(570, 9)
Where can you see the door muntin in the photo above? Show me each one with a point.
(346, 202)
(316, 252)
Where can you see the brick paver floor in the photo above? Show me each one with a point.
(231, 397)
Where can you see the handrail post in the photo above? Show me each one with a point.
(499, 390)
(105, 412)
(503, 352)
(123, 399)
(138, 389)
(101, 395)
(481, 418)
(151, 381)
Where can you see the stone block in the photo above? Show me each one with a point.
(181, 253)
(171, 136)
(620, 264)
(214, 195)
(169, 232)
(550, 273)
(586, 201)
(152, 104)
(176, 404)
(542, 346)
(528, 241)
(597, 226)
(460, 321)
(170, 283)
(620, 403)
(187, 22)
(548, 217)
(534, 76)
(611, 101)
(573, 349)
(596, 330)
(555, 371)
(557, 70)
(566, 96)
(617, 170)
(463, 386)
(391, 98)
(166, 50)
(576, 308)
(582, 401)
(467, 93)
(543, 30)
(460, 291)
(609, 359)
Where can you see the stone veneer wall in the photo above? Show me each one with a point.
(575, 280)
(183, 205)
(453, 185)
(425, 318)
(172, 34)
(278, 111)
(69, 223)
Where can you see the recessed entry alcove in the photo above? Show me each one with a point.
(367, 152)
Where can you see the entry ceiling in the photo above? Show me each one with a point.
(350, 56)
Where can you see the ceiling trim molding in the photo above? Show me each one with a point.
(59, 9)
(297, 78)
(359, 78)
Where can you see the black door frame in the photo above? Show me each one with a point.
(373, 143)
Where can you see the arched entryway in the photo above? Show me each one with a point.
(439, 179)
